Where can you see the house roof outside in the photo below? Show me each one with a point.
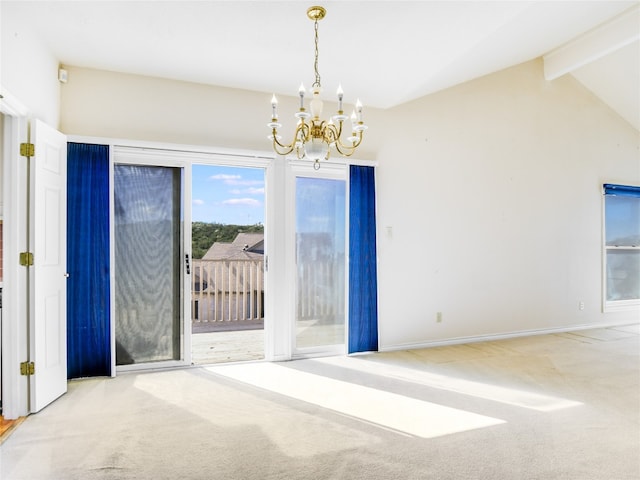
(246, 246)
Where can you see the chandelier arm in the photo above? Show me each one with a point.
(338, 130)
(348, 150)
(286, 149)
(344, 150)
(330, 133)
(304, 129)
(281, 149)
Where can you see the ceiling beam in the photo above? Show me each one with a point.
(601, 41)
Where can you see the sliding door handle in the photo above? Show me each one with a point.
(186, 258)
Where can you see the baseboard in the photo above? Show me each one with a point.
(500, 336)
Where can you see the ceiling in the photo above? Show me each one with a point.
(384, 52)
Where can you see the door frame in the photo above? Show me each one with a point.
(335, 170)
(15, 387)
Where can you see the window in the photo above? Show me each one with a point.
(621, 246)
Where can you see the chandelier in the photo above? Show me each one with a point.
(314, 137)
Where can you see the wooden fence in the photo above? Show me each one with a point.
(224, 291)
(231, 292)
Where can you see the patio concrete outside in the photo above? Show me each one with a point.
(227, 346)
(243, 342)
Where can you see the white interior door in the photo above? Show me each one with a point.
(47, 282)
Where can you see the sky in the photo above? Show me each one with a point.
(228, 195)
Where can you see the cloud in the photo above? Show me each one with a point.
(226, 178)
(243, 183)
(249, 202)
(248, 191)
(236, 180)
(197, 201)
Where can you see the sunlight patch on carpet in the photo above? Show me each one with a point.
(404, 414)
(510, 396)
(229, 408)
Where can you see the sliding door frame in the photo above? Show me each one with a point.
(158, 158)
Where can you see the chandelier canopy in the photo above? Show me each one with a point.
(314, 137)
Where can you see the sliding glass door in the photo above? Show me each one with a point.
(148, 263)
(320, 241)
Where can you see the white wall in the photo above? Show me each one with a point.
(28, 70)
(135, 107)
(491, 189)
(493, 192)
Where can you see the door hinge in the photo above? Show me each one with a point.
(26, 259)
(27, 149)
(27, 368)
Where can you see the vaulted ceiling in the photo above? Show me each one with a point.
(385, 52)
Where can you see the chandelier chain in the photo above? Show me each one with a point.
(315, 64)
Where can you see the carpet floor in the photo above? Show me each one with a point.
(550, 407)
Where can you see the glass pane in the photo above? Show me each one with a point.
(622, 216)
(320, 256)
(147, 263)
(227, 269)
(623, 275)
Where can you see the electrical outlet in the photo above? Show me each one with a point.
(581, 306)
(439, 317)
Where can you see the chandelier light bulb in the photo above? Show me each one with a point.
(359, 110)
(301, 92)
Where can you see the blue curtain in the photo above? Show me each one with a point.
(88, 294)
(363, 281)
(621, 190)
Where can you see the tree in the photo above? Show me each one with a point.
(203, 235)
